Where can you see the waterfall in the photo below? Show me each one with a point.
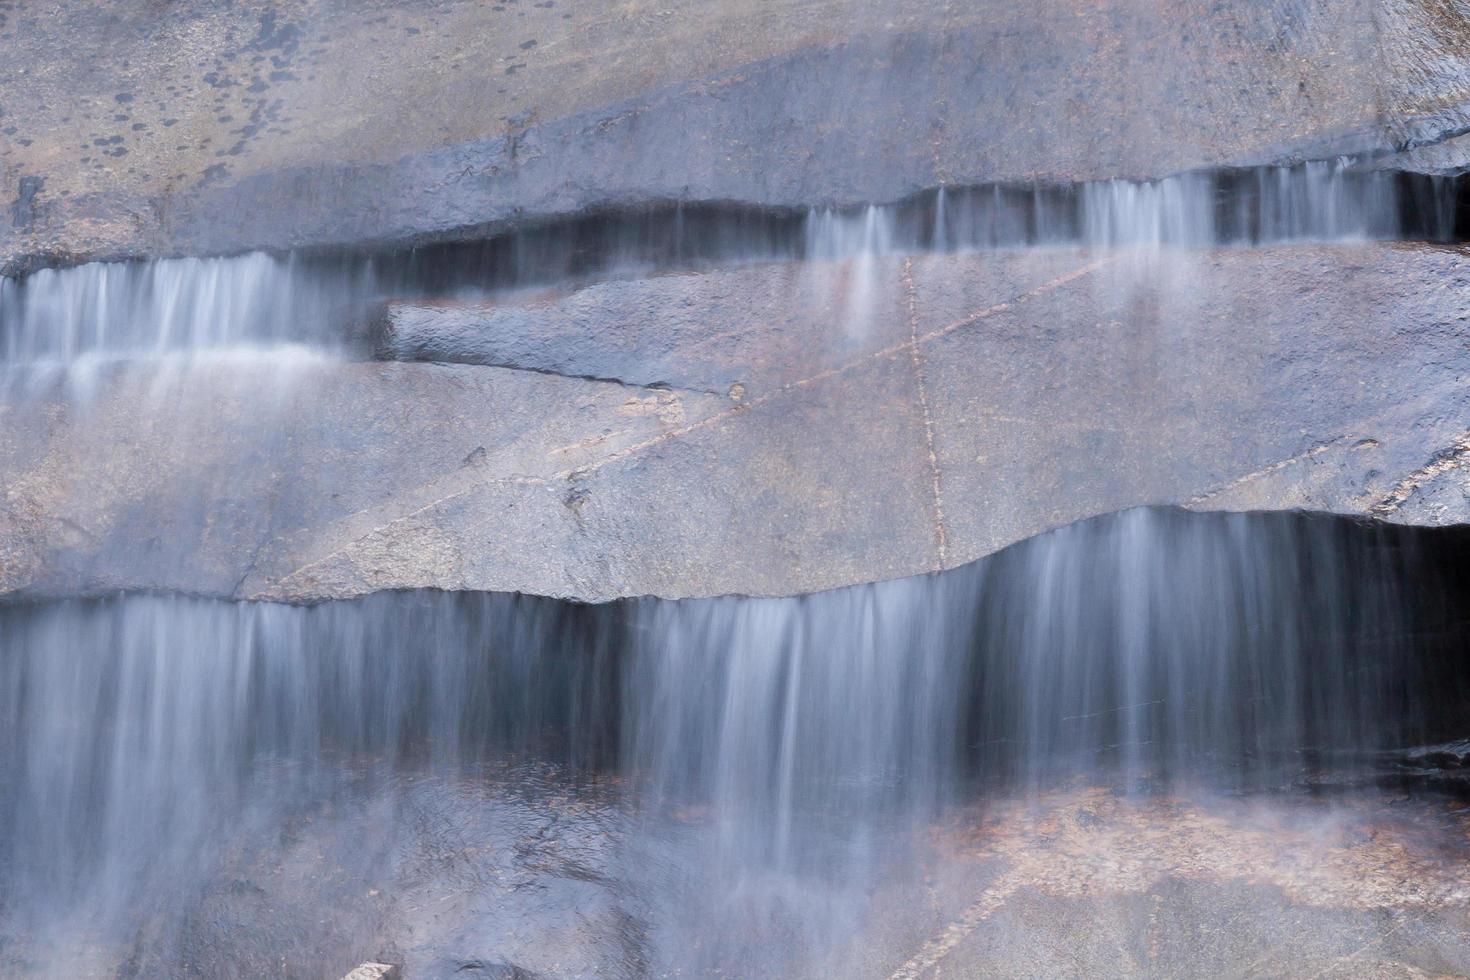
(773, 753)
(140, 309)
(757, 786)
(827, 488)
(151, 308)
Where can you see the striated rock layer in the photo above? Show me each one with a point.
(770, 428)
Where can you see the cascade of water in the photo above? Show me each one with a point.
(1145, 648)
(172, 305)
(133, 309)
(1178, 211)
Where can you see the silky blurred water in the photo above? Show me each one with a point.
(813, 738)
(112, 310)
(653, 785)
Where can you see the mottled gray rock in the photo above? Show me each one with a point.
(479, 879)
(890, 417)
(275, 123)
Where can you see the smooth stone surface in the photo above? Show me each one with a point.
(968, 402)
(667, 329)
(131, 129)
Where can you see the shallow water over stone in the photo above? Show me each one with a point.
(648, 786)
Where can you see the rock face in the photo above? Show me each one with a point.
(813, 425)
(768, 427)
(134, 129)
(816, 392)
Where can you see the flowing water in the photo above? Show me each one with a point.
(109, 310)
(763, 761)
(492, 783)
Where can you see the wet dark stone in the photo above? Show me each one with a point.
(23, 211)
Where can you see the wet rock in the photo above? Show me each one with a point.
(527, 339)
(1177, 886)
(927, 425)
(23, 211)
(1450, 755)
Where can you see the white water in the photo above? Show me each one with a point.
(145, 740)
(150, 309)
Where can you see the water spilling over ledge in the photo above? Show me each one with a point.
(758, 773)
(324, 299)
(366, 370)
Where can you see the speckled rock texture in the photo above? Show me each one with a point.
(788, 432)
(145, 129)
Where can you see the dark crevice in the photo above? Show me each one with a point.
(434, 357)
(1243, 206)
(1344, 642)
(1226, 207)
(330, 297)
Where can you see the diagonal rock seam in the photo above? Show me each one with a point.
(940, 946)
(717, 418)
(1264, 471)
(1454, 457)
(655, 386)
(534, 481)
(511, 364)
